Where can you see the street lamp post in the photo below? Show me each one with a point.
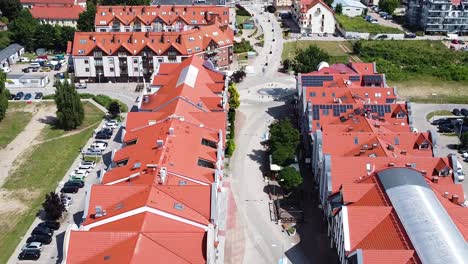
(461, 127)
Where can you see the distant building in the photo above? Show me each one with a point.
(168, 18)
(351, 8)
(10, 55)
(26, 81)
(32, 3)
(313, 17)
(370, 2)
(188, 2)
(439, 17)
(62, 15)
(279, 4)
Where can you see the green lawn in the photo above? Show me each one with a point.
(38, 173)
(359, 24)
(438, 113)
(92, 115)
(13, 123)
(331, 47)
(241, 19)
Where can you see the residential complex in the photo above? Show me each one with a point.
(313, 17)
(438, 16)
(163, 197)
(167, 18)
(33, 3)
(62, 15)
(132, 56)
(385, 191)
(189, 2)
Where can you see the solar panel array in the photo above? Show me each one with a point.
(372, 78)
(355, 78)
(315, 81)
(381, 110)
(337, 110)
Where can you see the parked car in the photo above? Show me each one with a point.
(81, 85)
(464, 112)
(25, 70)
(111, 124)
(58, 67)
(29, 254)
(19, 96)
(103, 135)
(27, 96)
(382, 37)
(50, 224)
(67, 200)
(456, 112)
(368, 18)
(12, 96)
(382, 13)
(6, 69)
(410, 35)
(24, 59)
(89, 163)
(388, 17)
(454, 41)
(35, 69)
(446, 130)
(99, 145)
(38, 95)
(80, 173)
(461, 42)
(93, 152)
(75, 177)
(69, 189)
(374, 21)
(44, 239)
(40, 230)
(32, 245)
(441, 121)
(74, 183)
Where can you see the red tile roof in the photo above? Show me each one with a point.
(311, 3)
(57, 12)
(184, 43)
(50, 2)
(170, 14)
(123, 247)
(388, 256)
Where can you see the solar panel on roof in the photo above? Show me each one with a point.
(354, 78)
(381, 114)
(388, 109)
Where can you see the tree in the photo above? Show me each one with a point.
(289, 178)
(286, 65)
(357, 47)
(234, 101)
(230, 147)
(45, 37)
(284, 139)
(271, 9)
(53, 206)
(339, 9)
(238, 76)
(70, 112)
(329, 2)
(307, 60)
(4, 94)
(464, 141)
(23, 29)
(4, 39)
(86, 19)
(389, 5)
(282, 155)
(10, 8)
(114, 109)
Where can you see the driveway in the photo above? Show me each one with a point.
(445, 144)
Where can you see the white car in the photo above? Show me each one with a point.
(79, 173)
(32, 245)
(67, 200)
(90, 163)
(6, 69)
(99, 145)
(112, 124)
(84, 168)
(24, 59)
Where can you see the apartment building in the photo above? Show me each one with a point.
(438, 16)
(282, 4)
(374, 173)
(158, 201)
(160, 18)
(313, 17)
(62, 15)
(134, 56)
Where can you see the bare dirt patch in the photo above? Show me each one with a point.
(10, 204)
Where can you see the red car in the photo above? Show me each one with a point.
(42, 57)
(454, 41)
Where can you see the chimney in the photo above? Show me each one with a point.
(391, 164)
(162, 175)
(403, 152)
(424, 172)
(446, 194)
(455, 199)
(391, 148)
(99, 212)
(435, 179)
(145, 98)
(159, 143)
(171, 131)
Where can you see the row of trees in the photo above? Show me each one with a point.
(234, 102)
(4, 95)
(27, 31)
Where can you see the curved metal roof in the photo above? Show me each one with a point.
(432, 232)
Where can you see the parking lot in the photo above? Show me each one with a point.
(445, 143)
(53, 252)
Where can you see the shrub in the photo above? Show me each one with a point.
(243, 46)
(103, 100)
(230, 147)
(289, 178)
(86, 96)
(48, 97)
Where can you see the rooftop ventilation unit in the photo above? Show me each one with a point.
(162, 175)
(171, 131)
(99, 212)
(159, 143)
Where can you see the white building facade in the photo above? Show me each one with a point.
(313, 17)
(351, 8)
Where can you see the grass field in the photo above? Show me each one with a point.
(13, 123)
(92, 116)
(37, 173)
(333, 48)
(438, 113)
(241, 19)
(359, 24)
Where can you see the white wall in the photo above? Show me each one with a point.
(107, 65)
(27, 83)
(352, 11)
(80, 66)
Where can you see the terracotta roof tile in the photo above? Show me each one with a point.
(57, 12)
(388, 256)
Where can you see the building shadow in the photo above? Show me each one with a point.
(78, 218)
(107, 158)
(118, 135)
(59, 239)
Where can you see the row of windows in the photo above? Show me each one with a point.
(164, 13)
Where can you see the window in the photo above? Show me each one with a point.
(81, 52)
(401, 114)
(135, 69)
(131, 142)
(189, 51)
(111, 60)
(324, 94)
(424, 145)
(121, 163)
(86, 69)
(193, 21)
(325, 111)
(191, 39)
(205, 163)
(83, 41)
(312, 94)
(111, 69)
(209, 143)
(182, 182)
(135, 60)
(86, 61)
(197, 48)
